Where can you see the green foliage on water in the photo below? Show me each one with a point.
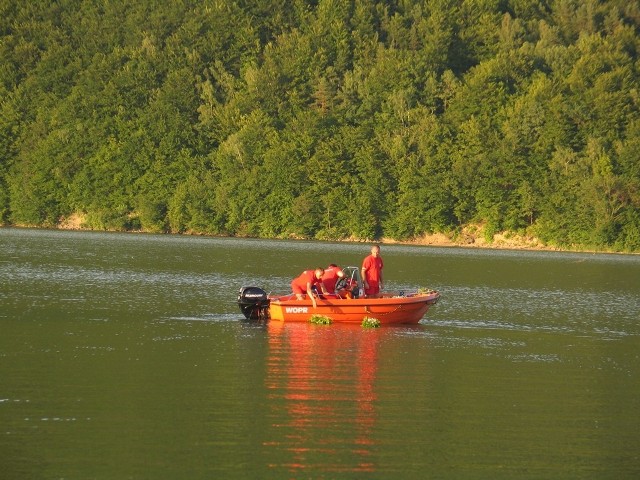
(318, 319)
(370, 322)
(326, 120)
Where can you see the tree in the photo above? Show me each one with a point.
(325, 119)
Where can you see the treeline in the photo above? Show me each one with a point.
(325, 119)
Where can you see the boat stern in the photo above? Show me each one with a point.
(253, 303)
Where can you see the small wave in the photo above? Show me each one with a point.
(534, 358)
(208, 317)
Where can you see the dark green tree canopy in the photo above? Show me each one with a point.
(331, 119)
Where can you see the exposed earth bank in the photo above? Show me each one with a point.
(472, 236)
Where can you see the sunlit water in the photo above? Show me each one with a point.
(125, 356)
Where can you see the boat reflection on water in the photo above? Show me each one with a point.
(321, 384)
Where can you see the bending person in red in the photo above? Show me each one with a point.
(372, 273)
(305, 282)
(331, 275)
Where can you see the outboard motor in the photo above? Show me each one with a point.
(253, 303)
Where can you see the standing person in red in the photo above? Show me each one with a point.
(305, 282)
(331, 275)
(372, 273)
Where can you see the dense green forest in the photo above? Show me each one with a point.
(327, 119)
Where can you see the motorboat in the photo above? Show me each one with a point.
(347, 305)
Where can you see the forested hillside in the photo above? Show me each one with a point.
(326, 119)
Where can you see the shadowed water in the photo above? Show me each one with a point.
(125, 356)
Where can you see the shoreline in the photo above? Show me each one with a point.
(471, 238)
(501, 241)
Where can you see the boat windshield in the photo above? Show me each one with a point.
(353, 277)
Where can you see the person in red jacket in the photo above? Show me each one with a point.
(331, 275)
(305, 282)
(372, 273)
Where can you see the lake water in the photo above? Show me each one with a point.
(125, 356)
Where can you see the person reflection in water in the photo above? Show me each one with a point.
(306, 282)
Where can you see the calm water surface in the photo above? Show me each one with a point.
(125, 356)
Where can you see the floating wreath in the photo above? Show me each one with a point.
(370, 322)
(320, 319)
(425, 291)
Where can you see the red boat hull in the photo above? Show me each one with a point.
(388, 310)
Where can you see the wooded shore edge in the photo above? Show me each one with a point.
(472, 236)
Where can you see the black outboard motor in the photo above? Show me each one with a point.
(253, 303)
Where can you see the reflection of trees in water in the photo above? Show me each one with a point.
(321, 384)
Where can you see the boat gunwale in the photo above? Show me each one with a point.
(289, 299)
